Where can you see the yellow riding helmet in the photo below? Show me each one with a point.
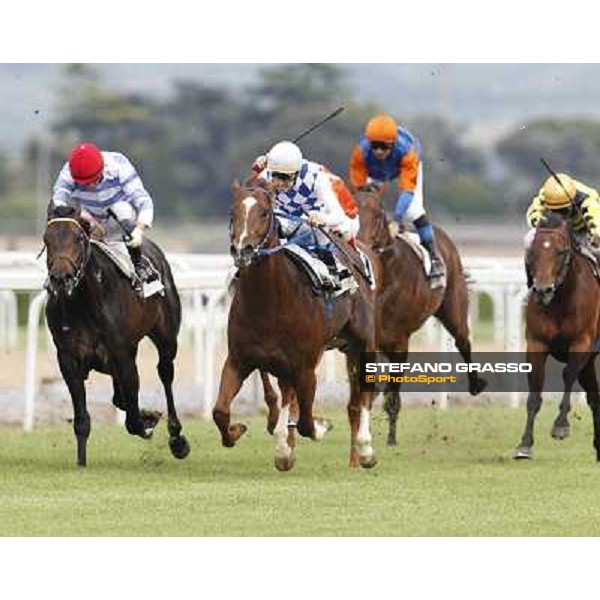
(557, 196)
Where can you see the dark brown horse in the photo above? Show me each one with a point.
(406, 299)
(97, 321)
(279, 325)
(563, 320)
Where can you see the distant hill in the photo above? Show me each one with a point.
(484, 98)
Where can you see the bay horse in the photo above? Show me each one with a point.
(277, 324)
(97, 321)
(563, 320)
(405, 297)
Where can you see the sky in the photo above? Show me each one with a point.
(486, 99)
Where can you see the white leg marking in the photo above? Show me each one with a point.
(248, 202)
(363, 438)
(282, 449)
(320, 430)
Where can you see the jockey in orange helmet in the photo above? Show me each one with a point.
(385, 152)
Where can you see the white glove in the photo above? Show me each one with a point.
(135, 241)
(315, 219)
(260, 164)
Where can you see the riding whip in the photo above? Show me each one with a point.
(557, 179)
(334, 114)
(125, 232)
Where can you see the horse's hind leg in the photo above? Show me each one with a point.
(306, 386)
(576, 362)
(392, 399)
(167, 350)
(232, 378)
(271, 401)
(536, 356)
(285, 429)
(453, 314)
(81, 419)
(589, 382)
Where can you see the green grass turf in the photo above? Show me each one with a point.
(451, 474)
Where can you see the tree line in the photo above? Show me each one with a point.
(191, 145)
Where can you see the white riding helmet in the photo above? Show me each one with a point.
(284, 157)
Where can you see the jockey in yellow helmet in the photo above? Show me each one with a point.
(579, 201)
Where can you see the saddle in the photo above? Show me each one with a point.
(146, 280)
(327, 261)
(413, 241)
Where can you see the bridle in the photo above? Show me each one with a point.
(566, 255)
(252, 252)
(84, 240)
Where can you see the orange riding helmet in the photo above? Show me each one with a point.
(381, 128)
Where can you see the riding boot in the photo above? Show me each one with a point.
(145, 273)
(437, 266)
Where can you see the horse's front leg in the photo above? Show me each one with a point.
(537, 352)
(232, 378)
(579, 356)
(359, 415)
(74, 377)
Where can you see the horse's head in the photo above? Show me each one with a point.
(252, 222)
(549, 256)
(373, 230)
(67, 241)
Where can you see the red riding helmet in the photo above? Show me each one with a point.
(86, 163)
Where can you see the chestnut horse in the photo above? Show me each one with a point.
(277, 324)
(563, 320)
(405, 297)
(97, 321)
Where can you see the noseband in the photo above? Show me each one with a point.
(83, 239)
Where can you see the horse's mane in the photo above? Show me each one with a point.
(371, 188)
(63, 212)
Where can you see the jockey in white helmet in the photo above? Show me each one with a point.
(306, 188)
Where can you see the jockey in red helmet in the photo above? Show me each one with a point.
(98, 181)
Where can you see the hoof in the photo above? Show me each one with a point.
(284, 464)
(391, 442)
(523, 453)
(237, 430)
(560, 432)
(322, 427)
(179, 447)
(150, 418)
(478, 387)
(368, 462)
